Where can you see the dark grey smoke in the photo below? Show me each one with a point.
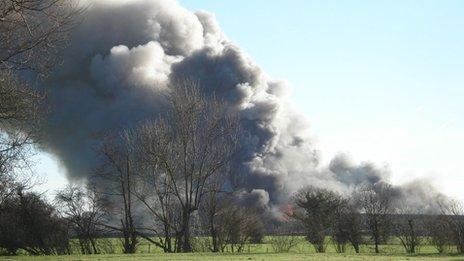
(349, 173)
(122, 58)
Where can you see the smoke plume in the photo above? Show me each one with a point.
(120, 61)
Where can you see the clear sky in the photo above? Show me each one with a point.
(380, 80)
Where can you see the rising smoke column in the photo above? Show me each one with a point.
(123, 56)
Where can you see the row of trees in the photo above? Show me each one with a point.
(29, 223)
(373, 210)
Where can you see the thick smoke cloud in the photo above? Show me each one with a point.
(121, 59)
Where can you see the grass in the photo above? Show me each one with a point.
(235, 256)
(303, 251)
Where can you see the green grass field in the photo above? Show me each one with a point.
(265, 251)
(242, 256)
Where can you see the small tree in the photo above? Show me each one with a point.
(438, 232)
(376, 201)
(408, 228)
(315, 209)
(285, 237)
(346, 227)
(84, 211)
(453, 211)
(236, 225)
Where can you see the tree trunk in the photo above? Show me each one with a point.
(178, 242)
(94, 246)
(168, 245)
(376, 243)
(412, 249)
(214, 238)
(376, 235)
(186, 246)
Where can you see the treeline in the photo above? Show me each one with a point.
(373, 215)
(80, 221)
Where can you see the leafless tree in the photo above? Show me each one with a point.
(236, 225)
(214, 204)
(31, 34)
(117, 173)
(188, 147)
(19, 117)
(453, 211)
(376, 201)
(408, 228)
(315, 208)
(438, 232)
(209, 210)
(346, 226)
(285, 237)
(154, 192)
(84, 211)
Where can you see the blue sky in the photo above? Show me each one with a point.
(380, 80)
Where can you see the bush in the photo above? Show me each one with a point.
(284, 243)
(29, 223)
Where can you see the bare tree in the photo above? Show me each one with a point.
(408, 228)
(376, 201)
(215, 213)
(214, 204)
(153, 190)
(84, 211)
(315, 208)
(236, 226)
(249, 223)
(189, 146)
(117, 174)
(438, 232)
(453, 212)
(285, 237)
(31, 34)
(20, 110)
(346, 226)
